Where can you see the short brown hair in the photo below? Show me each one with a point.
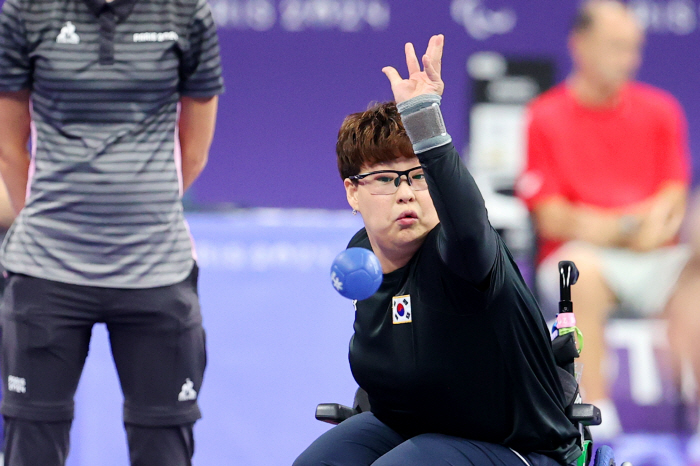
(371, 137)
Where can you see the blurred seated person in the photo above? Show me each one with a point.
(607, 182)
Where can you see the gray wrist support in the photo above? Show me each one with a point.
(422, 118)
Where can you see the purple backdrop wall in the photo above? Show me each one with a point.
(295, 68)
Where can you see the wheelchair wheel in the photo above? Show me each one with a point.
(604, 457)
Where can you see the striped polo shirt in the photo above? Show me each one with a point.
(103, 204)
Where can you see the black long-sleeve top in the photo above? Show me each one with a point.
(475, 360)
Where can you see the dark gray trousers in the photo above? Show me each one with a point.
(33, 443)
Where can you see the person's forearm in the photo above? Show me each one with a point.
(192, 167)
(7, 212)
(15, 122)
(14, 169)
(662, 217)
(557, 219)
(468, 244)
(196, 131)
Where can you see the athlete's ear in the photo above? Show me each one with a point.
(351, 193)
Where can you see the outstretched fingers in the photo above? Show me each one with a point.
(424, 73)
(392, 74)
(411, 59)
(434, 51)
(430, 69)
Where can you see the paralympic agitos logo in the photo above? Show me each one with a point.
(481, 22)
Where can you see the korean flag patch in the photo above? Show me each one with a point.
(401, 309)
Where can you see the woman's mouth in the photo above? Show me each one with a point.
(407, 218)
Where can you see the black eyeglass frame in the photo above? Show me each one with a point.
(397, 181)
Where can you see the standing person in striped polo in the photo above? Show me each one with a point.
(119, 98)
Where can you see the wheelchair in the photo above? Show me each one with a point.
(566, 350)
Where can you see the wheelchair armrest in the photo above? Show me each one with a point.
(586, 414)
(334, 413)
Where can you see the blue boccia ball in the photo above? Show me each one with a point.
(356, 273)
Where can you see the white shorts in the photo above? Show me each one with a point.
(642, 282)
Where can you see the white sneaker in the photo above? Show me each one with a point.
(610, 427)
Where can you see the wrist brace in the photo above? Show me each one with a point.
(422, 119)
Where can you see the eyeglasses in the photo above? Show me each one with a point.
(388, 181)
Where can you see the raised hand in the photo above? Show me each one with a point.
(419, 82)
